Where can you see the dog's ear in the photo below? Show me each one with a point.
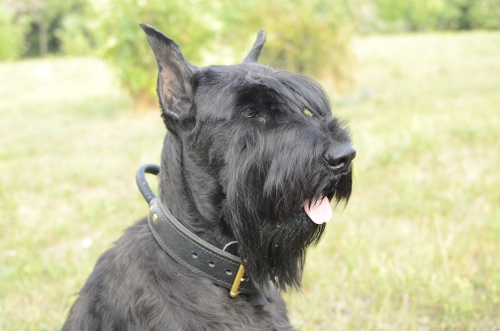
(254, 54)
(174, 79)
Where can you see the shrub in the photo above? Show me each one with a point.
(303, 36)
(11, 36)
(306, 36)
(124, 45)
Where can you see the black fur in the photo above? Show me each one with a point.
(246, 146)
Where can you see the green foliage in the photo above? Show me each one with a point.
(43, 20)
(311, 37)
(124, 44)
(11, 36)
(485, 14)
(303, 36)
(76, 31)
(425, 15)
(416, 14)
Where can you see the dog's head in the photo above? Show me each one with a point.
(268, 149)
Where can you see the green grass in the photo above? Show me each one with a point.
(417, 248)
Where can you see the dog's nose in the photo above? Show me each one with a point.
(339, 157)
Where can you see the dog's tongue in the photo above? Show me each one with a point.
(320, 212)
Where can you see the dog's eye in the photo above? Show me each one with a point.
(249, 112)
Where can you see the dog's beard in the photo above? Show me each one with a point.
(277, 250)
(273, 234)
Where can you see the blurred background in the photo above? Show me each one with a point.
(418, 81)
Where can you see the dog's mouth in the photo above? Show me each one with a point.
(318, 207)
(319, 211)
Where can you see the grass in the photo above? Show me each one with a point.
(416, 248)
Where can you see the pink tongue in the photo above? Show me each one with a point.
(320, 212)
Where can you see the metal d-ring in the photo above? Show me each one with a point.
(229, 244)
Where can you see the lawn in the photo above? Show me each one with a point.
(417, 248)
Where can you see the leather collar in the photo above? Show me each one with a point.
(199, 256)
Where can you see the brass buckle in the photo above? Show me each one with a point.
(240, 276)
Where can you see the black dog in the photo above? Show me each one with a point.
(250, 163)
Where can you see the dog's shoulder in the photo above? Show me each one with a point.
(136, 277)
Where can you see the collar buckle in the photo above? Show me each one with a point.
(240, 277)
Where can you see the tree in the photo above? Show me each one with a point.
(44, 16)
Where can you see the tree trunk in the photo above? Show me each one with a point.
(42, 37)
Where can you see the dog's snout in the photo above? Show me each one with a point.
(339, 157)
